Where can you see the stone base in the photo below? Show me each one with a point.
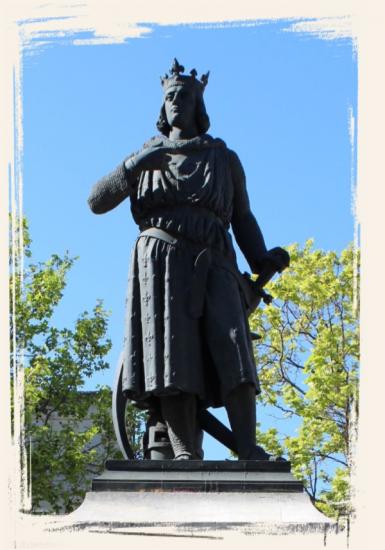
(253, 496)
(208, 476)
(204, 511)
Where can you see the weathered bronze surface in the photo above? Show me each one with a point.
(187, 340)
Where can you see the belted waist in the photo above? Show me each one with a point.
(206, 256)
(187, 209)
(159, 234)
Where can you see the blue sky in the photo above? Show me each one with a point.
(280, 99)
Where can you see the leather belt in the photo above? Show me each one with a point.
(204, 259)
(159, 234)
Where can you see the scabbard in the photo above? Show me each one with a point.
(198, 283)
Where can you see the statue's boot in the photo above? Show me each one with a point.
(241, 410)
(179, 413)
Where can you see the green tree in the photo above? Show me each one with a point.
(68, 433)
(308, 365)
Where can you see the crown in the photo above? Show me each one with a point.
(183, 79)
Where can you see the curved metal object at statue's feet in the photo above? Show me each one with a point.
(119, 403)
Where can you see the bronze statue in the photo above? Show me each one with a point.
(187, 341)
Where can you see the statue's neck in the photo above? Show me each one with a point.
(182, 133)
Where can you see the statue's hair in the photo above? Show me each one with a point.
(201, 118)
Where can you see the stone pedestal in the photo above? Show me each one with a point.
(256, 496)
(200, 476)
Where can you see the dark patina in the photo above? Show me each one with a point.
(187, 341)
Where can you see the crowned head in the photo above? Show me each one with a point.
(183, 97)
(190, 81)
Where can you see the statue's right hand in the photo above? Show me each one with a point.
(153, 158)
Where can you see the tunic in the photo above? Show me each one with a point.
(186, 327)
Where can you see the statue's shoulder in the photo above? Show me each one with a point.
(235, 165)
(213, 141)
(219, 142)
(231, 155)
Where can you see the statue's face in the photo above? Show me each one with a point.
(179, 104)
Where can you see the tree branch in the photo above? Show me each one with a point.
(330, 457)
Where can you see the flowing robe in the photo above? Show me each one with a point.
(186, 326)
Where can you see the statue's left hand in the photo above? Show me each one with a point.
(278, 257)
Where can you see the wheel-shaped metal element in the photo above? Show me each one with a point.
(119, 404)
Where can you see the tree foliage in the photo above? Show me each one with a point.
(307, 359)
(308, 366)
(68, 432)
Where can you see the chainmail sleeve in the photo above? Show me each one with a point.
(111, 190)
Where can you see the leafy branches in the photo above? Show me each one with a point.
(68, 432)
(308, 366)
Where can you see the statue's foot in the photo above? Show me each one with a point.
(259, 453)
(183, 456)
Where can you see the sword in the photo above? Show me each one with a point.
(253, 290)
